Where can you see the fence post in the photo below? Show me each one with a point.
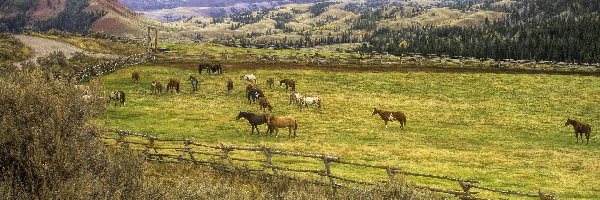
(225, 151)
(328, 173)
(269, 161)
(390, 174)
(465, 187)
(187, 143)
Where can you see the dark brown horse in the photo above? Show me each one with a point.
(289, 83)
(173, 85)
(229, 85)
(264, 103)
(391, 116)
(135, 76)
(580, 129)
(254, 120)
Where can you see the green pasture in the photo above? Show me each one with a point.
(504, 130)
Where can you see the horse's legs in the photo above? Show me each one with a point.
(290, 130)
(385, 124)
(587, 138)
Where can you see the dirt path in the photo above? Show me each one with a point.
(43, 47)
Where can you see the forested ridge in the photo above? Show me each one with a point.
(562, 30)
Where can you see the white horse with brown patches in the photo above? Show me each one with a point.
(309, 100)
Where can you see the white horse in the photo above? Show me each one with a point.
(305, 101)
(248, 77)
(295, 98)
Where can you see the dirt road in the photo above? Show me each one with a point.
(43, 47)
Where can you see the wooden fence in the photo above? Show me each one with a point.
(188, 151)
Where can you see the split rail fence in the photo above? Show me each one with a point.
(188, 151)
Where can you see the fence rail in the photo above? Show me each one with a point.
(184, 150)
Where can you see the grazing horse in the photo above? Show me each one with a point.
(173, 85)
(229, 85)
(135, 76)
(248, 77)
(289, 83)
(580, 129)
(156, 87)
(117, 97)
(282, 122)
(264, 103)
(253, 94)
(391, 116)
(254, 120)
(270, 83)
(203, 66)
(305, 101)
(216, 69)
(194, 83)
(295, 98)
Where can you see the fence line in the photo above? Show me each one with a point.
(185, 153)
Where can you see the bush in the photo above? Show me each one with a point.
(48, 151)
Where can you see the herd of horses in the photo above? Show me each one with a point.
(255, 93)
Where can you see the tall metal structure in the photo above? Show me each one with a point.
(152, 42)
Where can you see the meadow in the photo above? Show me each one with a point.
(505, 130)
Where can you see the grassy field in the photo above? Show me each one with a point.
(506, 131)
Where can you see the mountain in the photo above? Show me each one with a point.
(65, 15)
(148, 5)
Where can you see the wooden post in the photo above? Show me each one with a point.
(269, 160)
(225, 151)
(465, 187)
(390, 174)
(155, 39)
(328, 173)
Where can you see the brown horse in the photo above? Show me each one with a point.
(229, 85)
(254, 120)
(135, 76)
(117, 97)
(289, 83)
(580, 129)
(270, 83)
(173, 85)
(391, 116)
(156, 87)
(282, 122)
(264, 103)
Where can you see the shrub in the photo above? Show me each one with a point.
(47, 150)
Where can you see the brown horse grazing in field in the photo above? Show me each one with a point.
(229, 85)
(264, 103)
(117, 97)
(173, 85)
(391, 116)
(156, 87)
(254, 120)
(282, 122)
(580, 129)
(270, 83)
(135, 76)
(289, 83)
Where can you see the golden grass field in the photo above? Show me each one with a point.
(505, 130)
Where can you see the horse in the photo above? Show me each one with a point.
(580, 129)
(173, 85)
(270, 83)
(253, 94)
(203, 66)
(194, 83)
(135, 76)
(289, 83)
(216, 69)
(117, 97)
(390, 116)
(229, 85)
(282, 122)
(156, 86)
(305, 101)
(264, 103)
(295, 98)
(254, 120)
(248, 77)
